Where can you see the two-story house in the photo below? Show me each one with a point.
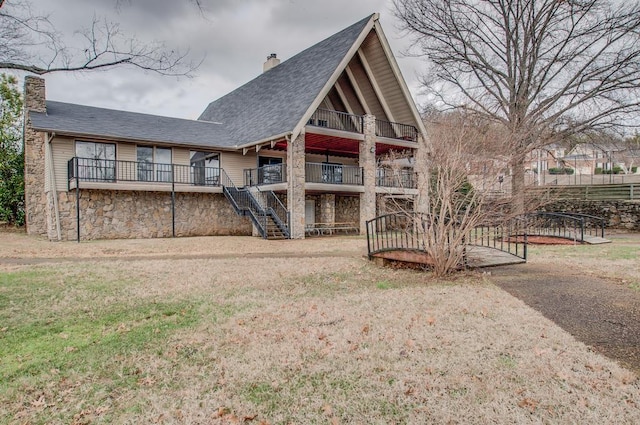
(300, 144)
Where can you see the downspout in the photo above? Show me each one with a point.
(52, 182)
(290, 186)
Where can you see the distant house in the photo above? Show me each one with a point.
(542, 159)
(594, 158)
(297, 146)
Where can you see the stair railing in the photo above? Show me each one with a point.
(244, 203)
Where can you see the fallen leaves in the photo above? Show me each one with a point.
(528, 403)
(227, 416)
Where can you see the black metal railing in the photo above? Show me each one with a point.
(272, 206)
(336, 120)
(394, 130)
(396, 231)
(413, 232)
(508, 236)
(333, 173)
(261, 207)
(565, 225)
(389, 177)
(109, 171)
(268, 174)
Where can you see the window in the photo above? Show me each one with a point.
(269, 170)
(96, 161)
(205, 168)
(154, 163)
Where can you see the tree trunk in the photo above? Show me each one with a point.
(518, 187)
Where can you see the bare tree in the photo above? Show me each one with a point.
(30, 42)
(462, 181)
(542, 69)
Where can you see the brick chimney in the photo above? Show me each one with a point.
(36, 205)
(272, 62)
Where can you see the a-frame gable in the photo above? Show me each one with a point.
(371, 82)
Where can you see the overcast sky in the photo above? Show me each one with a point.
(233, 36)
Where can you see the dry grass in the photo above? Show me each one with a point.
(315, 335)
(618, 261)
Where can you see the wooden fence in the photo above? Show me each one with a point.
(601, 192)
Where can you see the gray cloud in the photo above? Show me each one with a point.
(234, 37)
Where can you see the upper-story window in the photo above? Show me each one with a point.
(154, 163)
(205, 168)
(96, 161)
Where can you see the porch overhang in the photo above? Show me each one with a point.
(334, 143)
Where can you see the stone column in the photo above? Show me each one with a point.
(36, 203)
(295, 185)
(367, 161)
(421, 167)
(327, 208)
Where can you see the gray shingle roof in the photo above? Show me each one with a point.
(269, 105)
(68, 118)
(275, 102)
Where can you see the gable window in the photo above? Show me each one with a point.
(205, 168)
(154, 163)
(96, 161)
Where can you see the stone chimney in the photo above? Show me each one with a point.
(35, 197)
(272, 62)
(34, 94)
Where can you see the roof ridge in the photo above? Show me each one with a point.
(129, 112)
(274, 102)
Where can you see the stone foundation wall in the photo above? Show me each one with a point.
(618, 214)
(106, 214)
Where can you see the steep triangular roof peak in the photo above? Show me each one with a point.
(370, 82)
(276, 103)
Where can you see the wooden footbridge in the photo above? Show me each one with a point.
(406, 237)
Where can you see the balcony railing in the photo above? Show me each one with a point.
(389, 177)
(268, 174)
(333, 173)
(336, 120)
(111, 171)
(394, 130)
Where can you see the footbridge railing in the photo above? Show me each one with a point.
(414, 232)
(566, 225)
(508, 235)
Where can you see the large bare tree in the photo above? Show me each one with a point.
(30, 42)
(544, 69)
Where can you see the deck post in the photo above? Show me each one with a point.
(296, 185)
(367, 160)
(77, 197)
(173, 202)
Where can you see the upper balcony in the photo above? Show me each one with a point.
(92, 173)
(336, 120)
(351, 123)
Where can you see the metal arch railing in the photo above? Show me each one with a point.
(408, 232)
(565, 225)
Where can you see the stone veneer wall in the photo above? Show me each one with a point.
(34, 165)
(296, 185)
(348, 209)
(108, 214)
(618, 214)
(367, 160)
